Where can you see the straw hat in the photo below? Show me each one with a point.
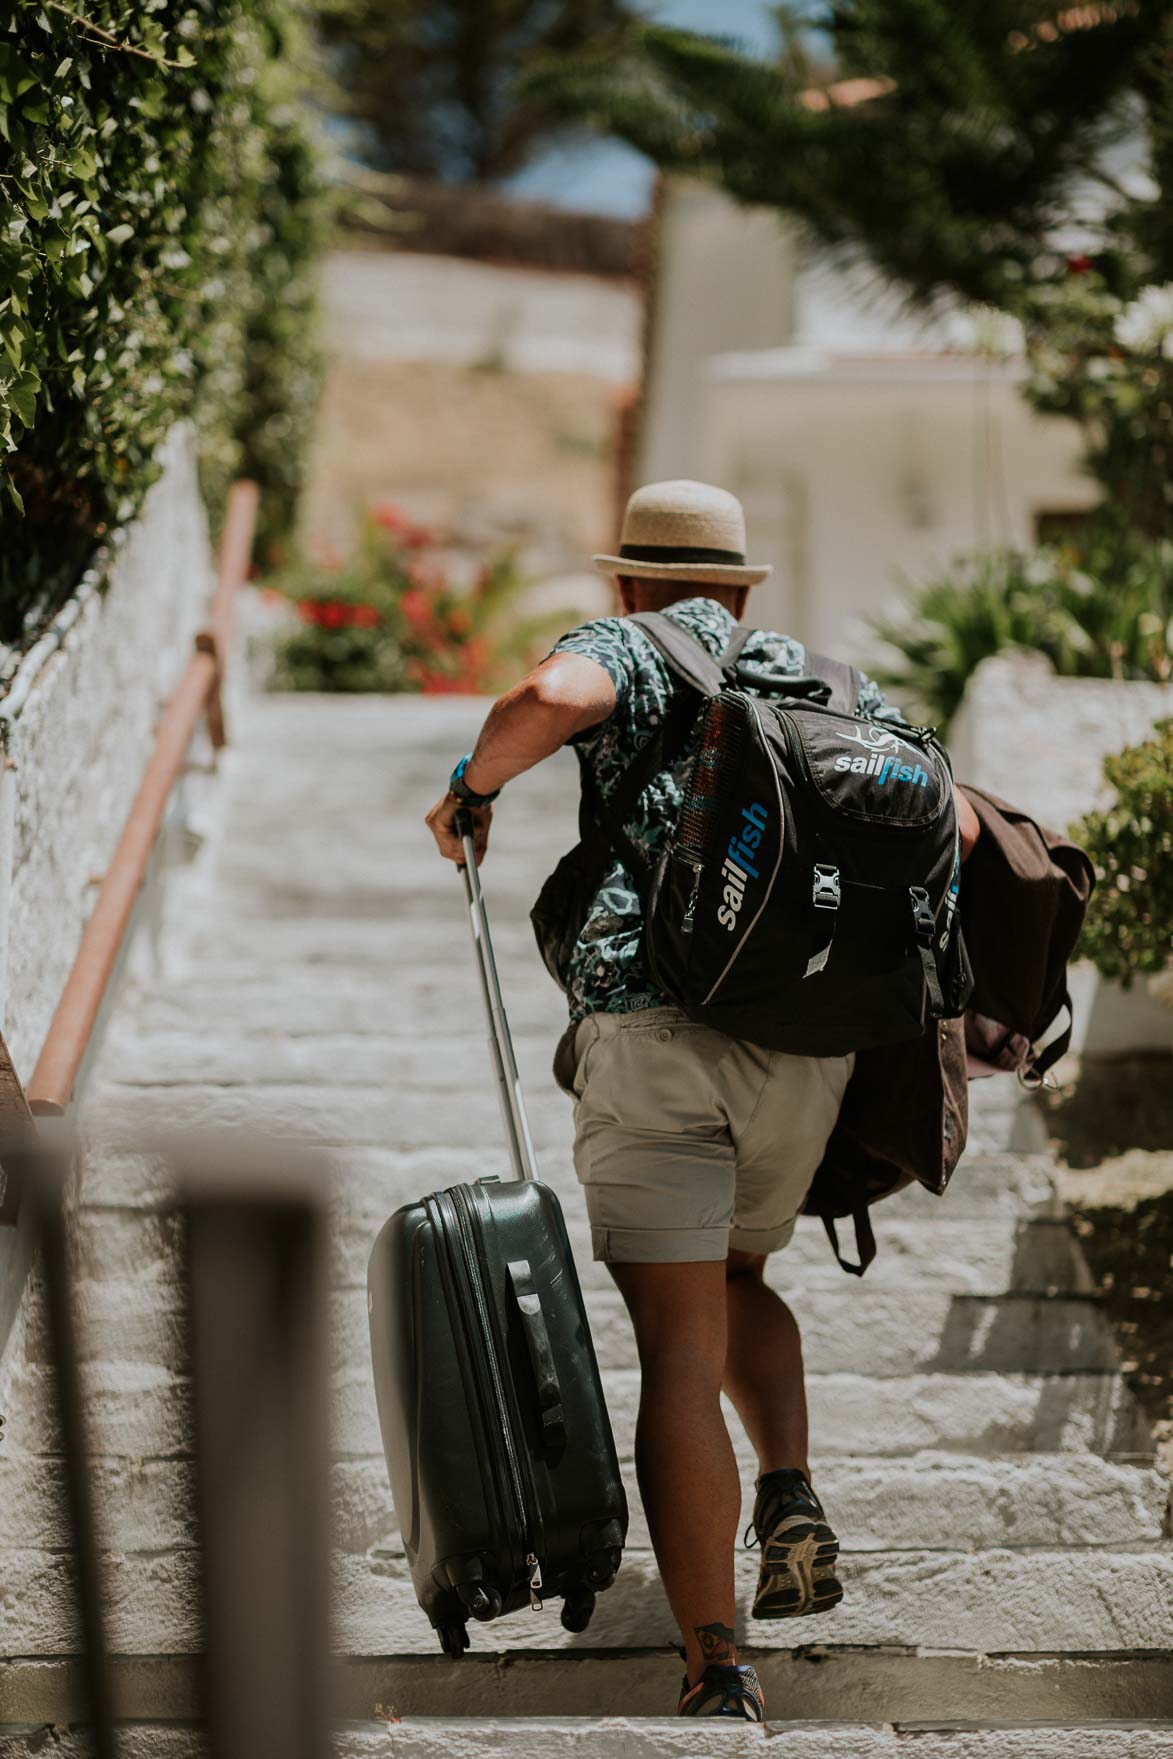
(683, 531)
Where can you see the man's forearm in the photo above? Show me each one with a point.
(536, 718)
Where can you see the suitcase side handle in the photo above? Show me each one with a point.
(541, 1354)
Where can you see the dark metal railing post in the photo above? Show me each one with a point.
(256, 1255)
(40, 1171)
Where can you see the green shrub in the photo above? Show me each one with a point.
(1100, 610)
(158, 223)
(390, 618)
(1129, 925)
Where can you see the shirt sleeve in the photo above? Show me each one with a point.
(605, 642)
(872, 701)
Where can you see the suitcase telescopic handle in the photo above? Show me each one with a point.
(513, 1112)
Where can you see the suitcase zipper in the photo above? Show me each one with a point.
(463, 1206)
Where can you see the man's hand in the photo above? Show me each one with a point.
(565, 695)
(441, 821)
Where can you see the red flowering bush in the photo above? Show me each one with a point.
(389, 618)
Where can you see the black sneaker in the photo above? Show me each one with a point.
(799, 1549)
(733, 1692)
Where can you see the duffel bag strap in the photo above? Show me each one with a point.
(865, 1241)
(1034, 1074)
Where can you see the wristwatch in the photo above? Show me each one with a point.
(458, 786)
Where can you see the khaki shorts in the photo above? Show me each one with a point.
(689, 1143)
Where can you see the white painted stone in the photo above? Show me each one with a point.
(1040, 740)
(976, 1413)
(988, 1600)
(617, 1738)
(385, 306)
(905, 1503)
(78, 745)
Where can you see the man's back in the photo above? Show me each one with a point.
(606, 973)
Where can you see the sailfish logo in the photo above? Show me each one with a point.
(882, 760)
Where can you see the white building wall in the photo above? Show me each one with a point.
(1040, 742)
(724, 278)
(865, 476)
(869, 445)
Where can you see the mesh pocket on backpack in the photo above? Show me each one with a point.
(718, 758)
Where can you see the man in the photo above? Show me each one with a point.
(695, 1150)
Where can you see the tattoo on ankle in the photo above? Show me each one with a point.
(718, 1642)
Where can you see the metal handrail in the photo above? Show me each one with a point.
(197, 693)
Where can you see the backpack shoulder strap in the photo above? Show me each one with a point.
(685, 656)
(843, 679)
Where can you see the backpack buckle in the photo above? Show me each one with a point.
(826, 894)
(923, 919)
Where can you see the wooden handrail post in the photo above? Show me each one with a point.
(215, 638)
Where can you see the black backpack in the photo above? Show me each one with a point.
(807, 900)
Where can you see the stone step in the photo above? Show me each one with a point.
(1046, 1601)
(1035, 1601)
(620, 1738)
(837, 1687)
(801, 1740)
(978, 1414)
(298, 1001)
(378, 1180)
(927, 1501)
(317, 1113)
(841, 1685)
(966, 1256)
(142, 1409)
(877, 1335)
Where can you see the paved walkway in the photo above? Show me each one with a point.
(1006, 1553)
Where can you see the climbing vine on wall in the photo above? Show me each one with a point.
(159, 220)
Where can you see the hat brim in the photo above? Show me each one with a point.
(704, 573)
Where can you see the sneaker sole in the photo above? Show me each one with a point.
(798, 1572)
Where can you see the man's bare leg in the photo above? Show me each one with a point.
(764, 1379)
(763, 1366)
(685, 1463)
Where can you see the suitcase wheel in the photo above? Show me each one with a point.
(453, 1640)
(603, 1571)
(577, 1609)
(481, 1601)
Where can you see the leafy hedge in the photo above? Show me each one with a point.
(1129, 927)
(159, 218)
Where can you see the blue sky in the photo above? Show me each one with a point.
(608, 177)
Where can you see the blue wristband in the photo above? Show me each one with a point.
(458, 786)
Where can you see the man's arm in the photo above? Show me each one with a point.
(563, 696)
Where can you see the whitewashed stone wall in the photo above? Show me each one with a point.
(1040, 741)
(78, 723)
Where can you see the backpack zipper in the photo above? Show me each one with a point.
(525, 1505)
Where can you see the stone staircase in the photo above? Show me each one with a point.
(1007, 1564)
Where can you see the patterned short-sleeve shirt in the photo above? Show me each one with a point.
(607, 974)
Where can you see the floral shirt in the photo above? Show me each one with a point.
(606, 973)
